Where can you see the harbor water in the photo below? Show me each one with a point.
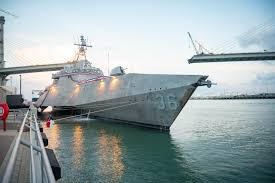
(210, 141)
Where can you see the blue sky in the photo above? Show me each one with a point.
(143, 36)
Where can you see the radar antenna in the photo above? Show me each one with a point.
(82, 47)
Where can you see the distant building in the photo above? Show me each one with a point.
(6, 90)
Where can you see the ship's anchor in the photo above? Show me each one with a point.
(207, 83)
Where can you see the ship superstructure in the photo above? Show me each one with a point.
(151, 100)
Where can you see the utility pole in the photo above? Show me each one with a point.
(108, 64)
(2, 62)
(20, 84)
(2, 21)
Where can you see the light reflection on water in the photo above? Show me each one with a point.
(96, 151)
(210, 141)
(53, 135)
(110, 156)
(78, 157)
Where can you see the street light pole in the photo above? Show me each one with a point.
(20, 84)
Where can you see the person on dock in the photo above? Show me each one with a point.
(50, 122)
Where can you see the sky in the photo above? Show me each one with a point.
(144, 37)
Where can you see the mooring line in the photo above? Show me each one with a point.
(94, 106)
(60, 119)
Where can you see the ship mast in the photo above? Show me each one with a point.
(82, 47)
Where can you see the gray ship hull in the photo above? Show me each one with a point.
(141, 99)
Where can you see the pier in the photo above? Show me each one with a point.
(24, 157)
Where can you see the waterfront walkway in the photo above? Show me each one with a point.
(23, 158)
(7, 139)
(21, 168)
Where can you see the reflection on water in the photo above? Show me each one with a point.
(78, 146)
(53, 135)
(229, 141)
(110, 156)
(103, 152)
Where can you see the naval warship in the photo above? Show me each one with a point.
(150, 100)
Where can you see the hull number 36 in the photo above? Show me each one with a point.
(168, 101)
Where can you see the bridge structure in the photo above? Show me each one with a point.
(226, 51)
(5, 71)
(232, 57)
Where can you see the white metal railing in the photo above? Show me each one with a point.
(40, 169)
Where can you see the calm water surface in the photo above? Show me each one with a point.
(210, 141)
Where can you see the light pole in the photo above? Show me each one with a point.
(20, 84)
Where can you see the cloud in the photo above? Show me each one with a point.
(267, 78)
(263, 39)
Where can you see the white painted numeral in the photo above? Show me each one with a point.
(161, 102)
(172, 102)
